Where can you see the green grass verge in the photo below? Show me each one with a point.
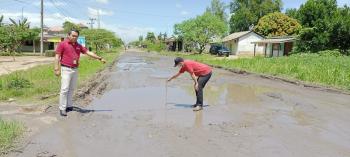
(9, 131)
(40, 81)
(322, 70)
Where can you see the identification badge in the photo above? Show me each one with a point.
(74, 61)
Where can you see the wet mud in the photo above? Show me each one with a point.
(244, 116)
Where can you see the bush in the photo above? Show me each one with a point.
(18, 82)
(328, 53)
(50, 53)
(156, 47)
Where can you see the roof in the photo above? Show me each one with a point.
(56, 29)
(235, 35)
(171, 39)
(82, 25)
(275, 40)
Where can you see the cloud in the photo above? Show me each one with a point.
(55, 19)
(127, 33)
(93, 12)
(102, 1)
(184, 12)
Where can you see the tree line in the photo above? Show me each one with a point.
(317, 24)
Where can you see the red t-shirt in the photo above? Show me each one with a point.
(198, 69)
(70, 53)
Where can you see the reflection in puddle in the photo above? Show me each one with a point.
(198, 119)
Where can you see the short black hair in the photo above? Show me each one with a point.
(73, 30)
(177, 60)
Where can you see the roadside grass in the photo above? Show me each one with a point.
(9, 131)
(31, 84)
(333, 71)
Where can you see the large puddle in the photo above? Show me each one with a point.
(141, 115)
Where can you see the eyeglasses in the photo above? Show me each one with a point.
(76, 36)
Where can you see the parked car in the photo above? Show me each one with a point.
(219, 50)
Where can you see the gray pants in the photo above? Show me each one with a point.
(202, 81)
(69, 79)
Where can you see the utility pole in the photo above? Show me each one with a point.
(42, 28)
(22, 14)
(92, 22)
(99, 18)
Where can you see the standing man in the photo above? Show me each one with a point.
(66, 64)
(200, 74)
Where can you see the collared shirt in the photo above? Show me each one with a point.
(196, 68)
(70, 53)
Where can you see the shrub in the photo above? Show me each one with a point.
(17, 82)
(328, 53)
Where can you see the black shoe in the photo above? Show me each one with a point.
(68, 109)
(194, 105)
(63, 113)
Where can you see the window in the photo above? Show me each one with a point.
(28, 43)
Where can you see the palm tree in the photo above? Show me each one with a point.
(24, 24)
(19, 32)
(1, 19)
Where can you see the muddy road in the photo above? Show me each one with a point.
(244, 116)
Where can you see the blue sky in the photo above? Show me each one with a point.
(128, 18)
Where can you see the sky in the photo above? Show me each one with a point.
(127, 18)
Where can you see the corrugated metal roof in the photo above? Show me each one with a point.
(275, 40)
(235, 35)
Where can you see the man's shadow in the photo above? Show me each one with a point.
(184, 105)
(81, 110)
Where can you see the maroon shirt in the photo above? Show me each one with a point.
(192, 67)
(70, 53)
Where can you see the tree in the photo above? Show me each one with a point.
(165, 35)
(67, 26)
(277, 24)
(185, 30)
(314, 12)
(246, 13)
(340, 30)
(293, 13)
(160, 37)
(19, 32)
(151, 37)
(100, 38)
(315, 17)
(217, 8)
(140, 38)
(200, 30)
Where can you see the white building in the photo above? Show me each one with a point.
(241, 43)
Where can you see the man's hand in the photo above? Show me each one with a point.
(57, 72)
(168, 80)
(196, 86)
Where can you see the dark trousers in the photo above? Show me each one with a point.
(202, 81)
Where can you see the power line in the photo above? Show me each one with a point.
(58, 9)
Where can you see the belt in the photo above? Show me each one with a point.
(69, 66)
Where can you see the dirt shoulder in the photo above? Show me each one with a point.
(7, 65)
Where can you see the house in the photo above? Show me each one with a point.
(277, 46)
(240, 43)
(52, 36)
(173, 44)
